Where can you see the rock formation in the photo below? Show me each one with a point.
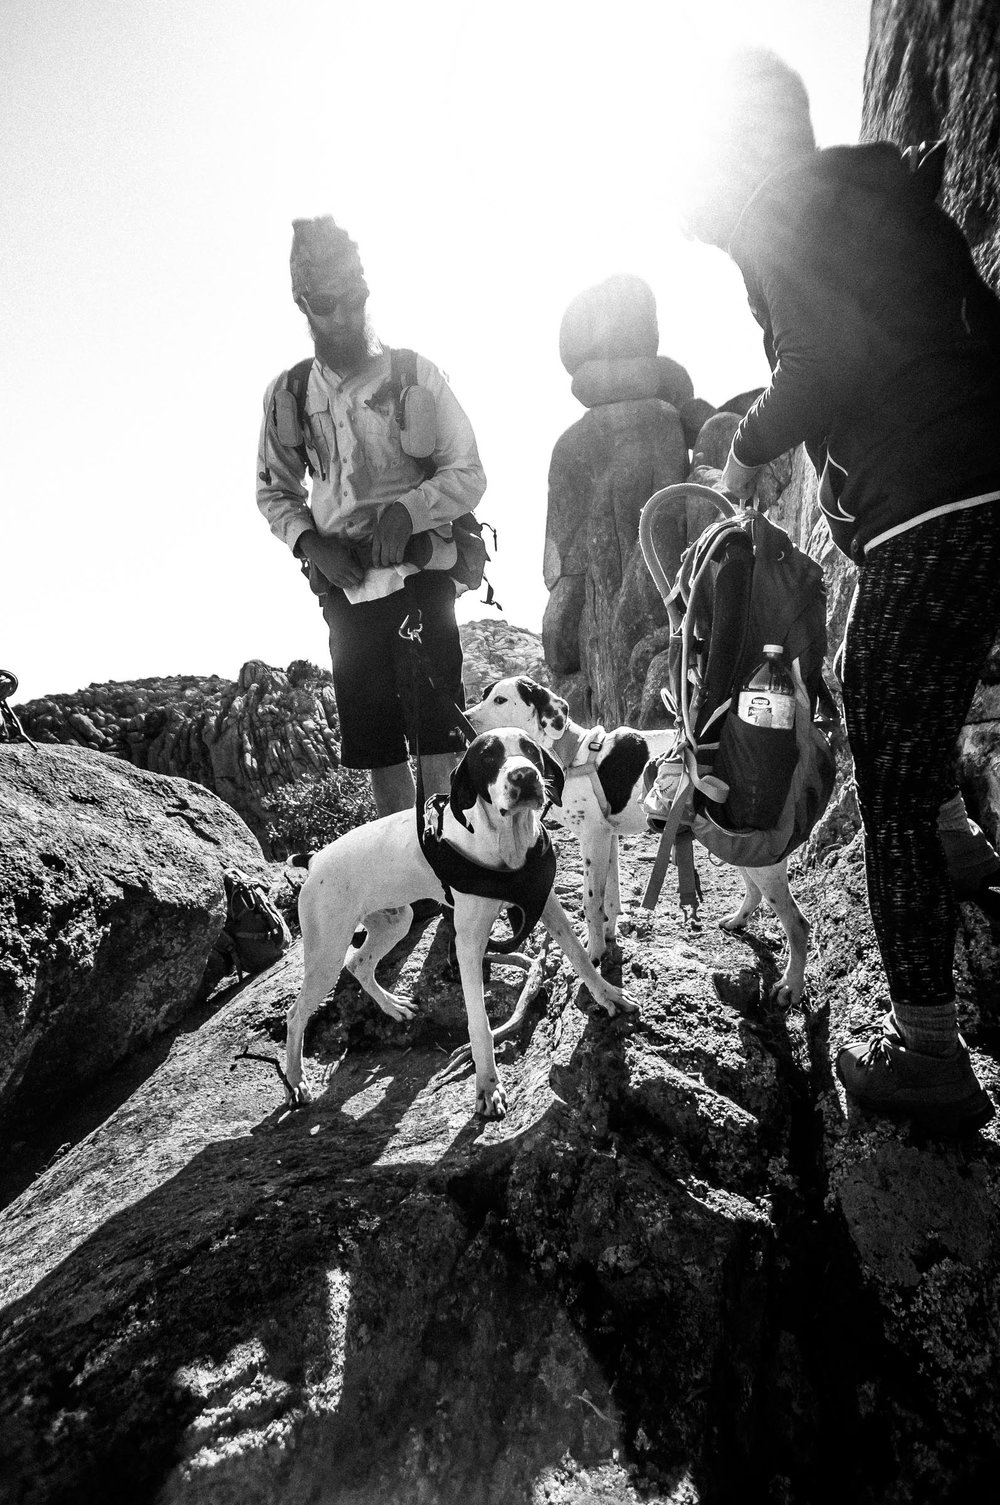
(493, 648)
(629, 443)
(605, 629)
(242, 741)
(681, 1270)
(111, 897)
(934, 71)
(246, 740)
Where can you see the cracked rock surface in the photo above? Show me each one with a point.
(679, 1270)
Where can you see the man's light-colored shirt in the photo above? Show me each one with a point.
(359, 468)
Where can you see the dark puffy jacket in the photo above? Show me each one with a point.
(884, 341)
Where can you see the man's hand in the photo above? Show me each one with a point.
(332, 558)
(391, 535)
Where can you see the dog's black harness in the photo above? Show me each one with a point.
(525, 889)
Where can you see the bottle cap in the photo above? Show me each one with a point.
(772, 647)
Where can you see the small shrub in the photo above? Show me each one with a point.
(306, 815)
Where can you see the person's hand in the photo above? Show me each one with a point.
(391, 535)
(705, 475)
(333, 559)
(738, 479)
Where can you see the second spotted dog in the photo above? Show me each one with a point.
(603, 799)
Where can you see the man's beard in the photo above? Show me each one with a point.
(346, 351)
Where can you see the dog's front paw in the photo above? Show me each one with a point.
(298, 1094)
(615, 1001)
(491, 1100)
(787, 992)
(397, 1008)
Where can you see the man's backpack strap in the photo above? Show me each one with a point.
(403, 374)
(288, 411)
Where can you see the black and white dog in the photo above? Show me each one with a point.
(602, 799)
(372, 874)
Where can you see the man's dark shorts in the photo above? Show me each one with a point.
(371, 667)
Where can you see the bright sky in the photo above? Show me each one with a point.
(491, 161)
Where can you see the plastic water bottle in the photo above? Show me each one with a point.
(768, 696)
(759, 750)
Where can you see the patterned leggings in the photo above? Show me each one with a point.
(925, 616)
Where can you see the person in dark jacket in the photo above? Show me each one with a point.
(884, 346)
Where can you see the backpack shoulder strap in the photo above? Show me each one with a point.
(403, 374)
(288, 410)
(297, 382)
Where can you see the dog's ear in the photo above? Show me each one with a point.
(553, 776)
(487, 690)
(552, 711)
(550, 769)
(464, 792)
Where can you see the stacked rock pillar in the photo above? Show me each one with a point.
(629, 443)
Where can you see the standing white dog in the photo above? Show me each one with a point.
(371, 875)
(602, 799)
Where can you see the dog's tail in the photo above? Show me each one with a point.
(300, 859)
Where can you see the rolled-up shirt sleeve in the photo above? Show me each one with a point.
(281, 491)
(459, 480)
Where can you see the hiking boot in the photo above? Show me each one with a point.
(940, 1092)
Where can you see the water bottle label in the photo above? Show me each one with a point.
(765, 708)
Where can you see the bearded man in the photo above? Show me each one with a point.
(372, 522)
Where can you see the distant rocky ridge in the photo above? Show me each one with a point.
(247, 739)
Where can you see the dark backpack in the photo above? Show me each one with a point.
(253, 937)
(741, 584)
(292, 424)
(257, 932)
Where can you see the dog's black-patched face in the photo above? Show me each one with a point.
(506, 769)
(519, 701)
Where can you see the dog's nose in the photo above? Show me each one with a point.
(525, 782)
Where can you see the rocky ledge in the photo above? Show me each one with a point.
(682, 1269)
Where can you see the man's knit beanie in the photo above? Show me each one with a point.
(324, 258)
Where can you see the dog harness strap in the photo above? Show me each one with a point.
(526, 889)
(566, 749)
(590, 742)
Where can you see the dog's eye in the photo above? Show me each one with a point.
(500, 700)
